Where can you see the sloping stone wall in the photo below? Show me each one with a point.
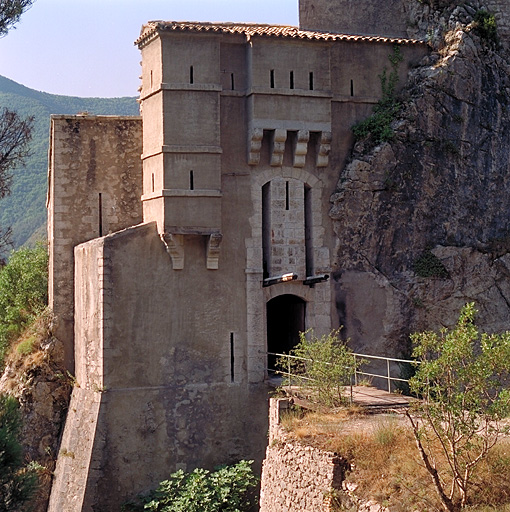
(297, 478)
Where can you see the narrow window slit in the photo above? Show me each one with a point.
(286, 195)
(191, 77)
(266, 229)
(191, 181)
(271, 74)
(292, 79)
(152, 182)
(232, 360)
(352, 87)
(100, 214)
(308, 231)
(310, 79)
(232, 83)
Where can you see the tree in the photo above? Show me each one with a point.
(23, 292)
(15, 132)
(17, 481)
(10, 13)
(463, 380)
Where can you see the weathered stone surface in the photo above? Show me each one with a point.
(431, 19)
(95, 183)
(441, 186)
(296, 477)
(371, 17)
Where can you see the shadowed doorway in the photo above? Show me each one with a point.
(285, 320)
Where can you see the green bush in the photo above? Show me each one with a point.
(485, 26)
(378, 125)
(323, 365)
(26, 346)
(429, 265)
(23, 293)
(17, 481)
(228, 489)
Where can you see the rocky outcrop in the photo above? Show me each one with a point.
(36, 376)
(431, 19)
(422, 221)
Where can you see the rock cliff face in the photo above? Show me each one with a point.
(40, 382)
(423, 220)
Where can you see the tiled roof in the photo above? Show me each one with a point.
(251, 29)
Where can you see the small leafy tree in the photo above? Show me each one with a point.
(17, 481)
(23, 292)
(228, 489)
(324, 365)
(463, 379)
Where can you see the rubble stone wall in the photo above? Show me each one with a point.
(297, 477)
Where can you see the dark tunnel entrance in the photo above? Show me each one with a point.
(285, 320)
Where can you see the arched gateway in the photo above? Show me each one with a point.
(285, 320)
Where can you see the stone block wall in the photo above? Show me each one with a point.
(295, 477)
(501, 8)
(159, 387)
(287, 228)
(75, 473)
(367, 17)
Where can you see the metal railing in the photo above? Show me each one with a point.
(356, 373)
(388, 376)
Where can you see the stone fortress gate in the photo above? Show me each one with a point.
(164, 229)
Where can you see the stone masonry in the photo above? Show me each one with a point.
(296, 477)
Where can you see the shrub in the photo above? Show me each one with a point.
(378, 125)
(485, 26)
(26, 346)
(17, 481)
(429, 265)
(23, 292)
(323, 365)
(228, 489)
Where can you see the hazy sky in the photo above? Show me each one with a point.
(85, 47)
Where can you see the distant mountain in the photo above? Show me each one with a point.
(25, 209)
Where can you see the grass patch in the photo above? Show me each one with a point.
(26, 346)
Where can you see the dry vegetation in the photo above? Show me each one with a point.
(385, 463)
